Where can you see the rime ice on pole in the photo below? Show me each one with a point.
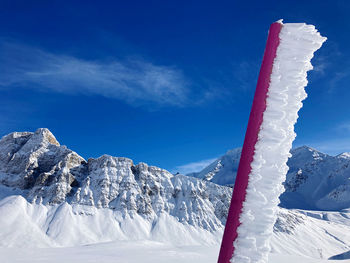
(270, 133)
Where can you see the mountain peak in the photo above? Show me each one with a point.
(46, 135)
(304, 148)
(344, 155)
(305, 153)
(236, 152)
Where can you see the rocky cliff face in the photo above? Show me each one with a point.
(48, 173)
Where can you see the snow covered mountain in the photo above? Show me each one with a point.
(57, 181)
(51, 197)
(314, 181)
(222, 171)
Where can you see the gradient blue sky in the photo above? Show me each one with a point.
(169, 83)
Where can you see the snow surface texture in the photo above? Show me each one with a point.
(298, 42)
(132, 252)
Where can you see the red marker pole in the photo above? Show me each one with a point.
(255, 120)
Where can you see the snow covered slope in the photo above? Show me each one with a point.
(313, 234)
(314, 181)
(52, 197)
(317, 234)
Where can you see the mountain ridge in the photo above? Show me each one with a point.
(49, 173)
(315, 180)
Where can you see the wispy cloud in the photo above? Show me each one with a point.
(334, 141)
(193, 167)
(320, 64)
(136, 82)
(333, 146)
(331, 66)
(343, 127)
(337, 78)
(246, 73)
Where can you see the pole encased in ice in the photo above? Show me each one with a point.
(251, 137)
(268, 140)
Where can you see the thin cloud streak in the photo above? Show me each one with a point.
(336, 79)
(246, 73)
(194, 166)
(343, 127)
(338, 145)
(332, 147)
(137, 82)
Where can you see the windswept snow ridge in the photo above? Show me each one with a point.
(286, 91)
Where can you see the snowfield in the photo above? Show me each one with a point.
(76, 233)
(57, 207)
(133, 252)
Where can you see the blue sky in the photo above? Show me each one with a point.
(169, 83)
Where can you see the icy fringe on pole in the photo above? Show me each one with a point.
(297, 44)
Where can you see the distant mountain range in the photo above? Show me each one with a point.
(52, 197)
(314, 181)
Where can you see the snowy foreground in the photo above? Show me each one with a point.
(75, 233)
(132, 252)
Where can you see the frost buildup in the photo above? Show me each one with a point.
(298, 42)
